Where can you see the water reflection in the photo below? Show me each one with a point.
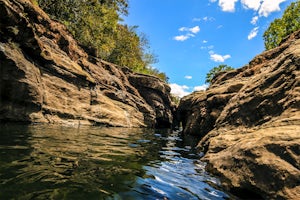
(54, 162)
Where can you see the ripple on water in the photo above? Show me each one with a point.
(53, 162)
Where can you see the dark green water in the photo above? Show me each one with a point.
(53, 162)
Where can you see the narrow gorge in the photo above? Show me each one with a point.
(248, 120)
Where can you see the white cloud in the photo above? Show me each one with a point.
(179, 90)
(183, 29)
(269, 6)
(194, 30)
(190, 33)
(227, 5)
(263, 7)
(218, 58)
(253, 33)
(254, 20)
(251, 4)
(201, 87)
(181, 37)
(188, 77)
(204, 41)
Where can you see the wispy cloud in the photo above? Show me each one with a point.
(253, 33)
(190, 32)
(210, 47)
(220, 26)
(208, 19)
(188, 77)
(194, 30)
(196, 19)
(218, 58)
(179, 90)
(205, 19)
(254, 20)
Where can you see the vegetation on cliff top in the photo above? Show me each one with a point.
(96, 25)
(214, 71)
(281, 28)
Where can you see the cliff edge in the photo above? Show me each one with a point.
(249, 122)
(46, 77)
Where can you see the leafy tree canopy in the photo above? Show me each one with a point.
(215, 70)
(281, 28)
(95, 24)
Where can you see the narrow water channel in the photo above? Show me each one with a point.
(54, 162)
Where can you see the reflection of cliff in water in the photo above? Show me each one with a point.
(54, 161)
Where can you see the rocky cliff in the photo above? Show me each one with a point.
(249, 122)
(46, 77)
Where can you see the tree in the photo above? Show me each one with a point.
(128, 48)
(281, 28)
(214, 71)
(92, 22)
(95, 24)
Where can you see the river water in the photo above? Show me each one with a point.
(54, 162)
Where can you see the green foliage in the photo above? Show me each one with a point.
(127, 50)
(175, 99)
(91, 22)
(95, 24)
(281, 28)
(214, 71)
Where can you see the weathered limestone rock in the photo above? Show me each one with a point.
(46, 77)
(249, 121)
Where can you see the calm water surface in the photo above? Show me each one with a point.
(53, 162)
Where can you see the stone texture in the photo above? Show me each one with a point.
(156, 94)
(46, 77)
(249, 121)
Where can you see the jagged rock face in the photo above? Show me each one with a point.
(156, 94)
(47, 77)
(249, 121)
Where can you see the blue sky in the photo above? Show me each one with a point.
(192, 36)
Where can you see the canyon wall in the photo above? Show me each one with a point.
(46, 77)
(249, 122)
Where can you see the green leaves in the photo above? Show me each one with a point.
(281, 28)
(95, 24)
(214, 71)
